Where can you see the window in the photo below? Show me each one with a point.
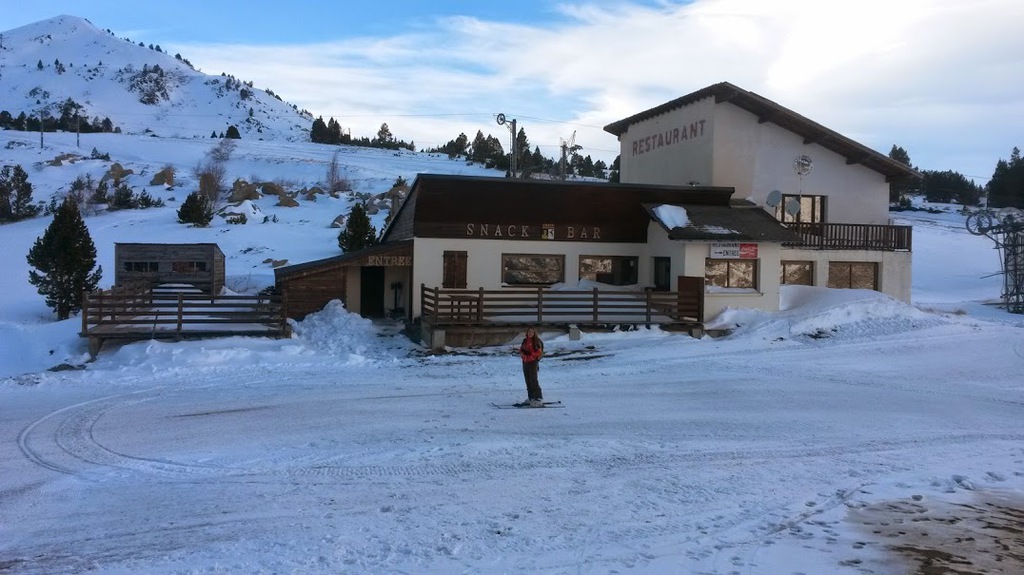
(526, 269)
(797, 273)
(454, 273)
(730, 273)
(853, 275)
(142, 267)
(188, 267)
(612, 270)
(812, 209)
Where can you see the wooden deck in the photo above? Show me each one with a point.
(154, 314)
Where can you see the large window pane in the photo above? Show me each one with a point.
(853, 275)
(730, 273)
(531, 269)
(797, 273)
(612, 270)
(812, 209)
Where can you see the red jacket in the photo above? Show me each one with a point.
(528, 352)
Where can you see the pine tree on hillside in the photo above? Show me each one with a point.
(64, 258)
(196, 210)
(16, 195)
(1006, 188)
(358, 232)
(233, 134)
(902, 186)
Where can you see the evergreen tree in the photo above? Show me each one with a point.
(196, 210)
(334, 132)
(358, 232)
(899, 188)
(1006, 188)
(384, 139)
(949, 186)
(64, 258)
(233, 134)
(5, 194)
(318, 133)
(613, 174)
(16, 195)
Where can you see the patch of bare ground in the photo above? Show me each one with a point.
(934, 537)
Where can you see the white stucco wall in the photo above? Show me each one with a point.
(735, 150)
(758, 158)
(730, 148)
(671, 149)
(483, 263)
(894, 268)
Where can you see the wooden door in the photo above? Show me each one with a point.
(691, 298)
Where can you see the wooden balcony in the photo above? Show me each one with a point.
(851, 237)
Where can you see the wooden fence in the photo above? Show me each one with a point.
(851, 237)
(134, 313)
(543, 306)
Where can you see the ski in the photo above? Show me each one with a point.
(526, 405)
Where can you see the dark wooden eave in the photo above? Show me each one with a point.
(296, 271)
(768, 111)
(442, 205)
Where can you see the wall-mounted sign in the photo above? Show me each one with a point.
(669, 137)
(533, 232)
(734, 250)
(388, 261)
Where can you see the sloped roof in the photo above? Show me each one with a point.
(769, 111)
(318, 266)
(724, 224)
(438, 202)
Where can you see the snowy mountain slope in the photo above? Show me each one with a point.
(140, 89)
(296, 234)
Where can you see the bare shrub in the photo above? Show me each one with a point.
(335, 180)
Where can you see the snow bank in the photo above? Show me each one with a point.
(814, 311)
(339, 333)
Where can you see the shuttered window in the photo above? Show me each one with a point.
(454, 275)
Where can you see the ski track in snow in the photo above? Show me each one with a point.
(457, 445)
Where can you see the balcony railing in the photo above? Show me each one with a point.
(851, 237)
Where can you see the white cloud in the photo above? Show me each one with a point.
(942, 79)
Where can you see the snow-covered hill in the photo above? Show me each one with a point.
(141, 89)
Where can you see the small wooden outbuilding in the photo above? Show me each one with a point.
(199, 265)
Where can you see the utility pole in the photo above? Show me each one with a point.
(512, 162)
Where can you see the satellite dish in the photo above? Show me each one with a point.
(774, 198)
(802, 165)
(793, 207)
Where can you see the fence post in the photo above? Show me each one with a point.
(85, 311)
(180, 312)
(648, 290)
(595, 303)
(480, 306)
(540, 305)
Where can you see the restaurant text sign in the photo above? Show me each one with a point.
(734, 250)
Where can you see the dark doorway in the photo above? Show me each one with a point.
(662, 274)
(371, 291)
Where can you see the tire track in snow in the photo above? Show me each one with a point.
(64, 441)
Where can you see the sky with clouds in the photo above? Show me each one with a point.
(944, 79)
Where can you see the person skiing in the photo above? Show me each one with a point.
(531, 351)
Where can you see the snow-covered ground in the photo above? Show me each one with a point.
(818, 439)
